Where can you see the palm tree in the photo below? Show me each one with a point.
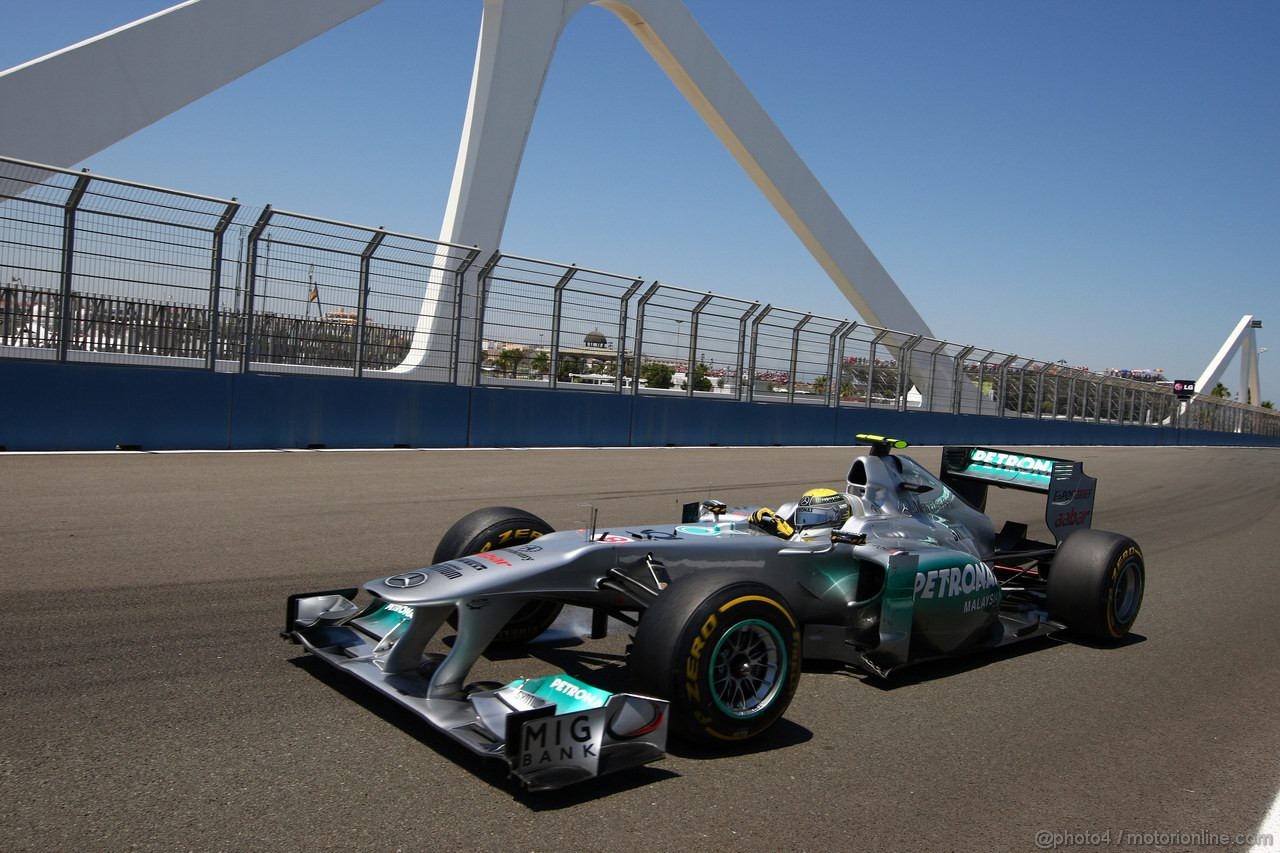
(1221, 391)
(700, 380)
(509, 359)
(568, 365)
(540, 364)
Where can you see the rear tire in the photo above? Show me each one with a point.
(723, 650)
(1096, 584)
(500, 527)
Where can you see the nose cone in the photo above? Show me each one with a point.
(465, 577)
(520, 570)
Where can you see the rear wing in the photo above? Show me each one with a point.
(969, 471)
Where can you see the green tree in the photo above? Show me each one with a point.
(1221, 391)
(1267, 404)
(568, 364)
(820, 385)
(656, 374)
(540, 364)
(509, 359)
(701, 382)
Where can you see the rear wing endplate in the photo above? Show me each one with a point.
(969, 471)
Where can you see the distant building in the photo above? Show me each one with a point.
(594, 352)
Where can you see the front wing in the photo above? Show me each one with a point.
(551, 731)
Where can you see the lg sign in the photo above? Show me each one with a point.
(1184, 387)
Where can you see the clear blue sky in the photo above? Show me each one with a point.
(1093, 181)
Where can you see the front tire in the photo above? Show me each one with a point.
(1096, 584)
(500, 527)
(724, 651)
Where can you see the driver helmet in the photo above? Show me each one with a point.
(819, 507)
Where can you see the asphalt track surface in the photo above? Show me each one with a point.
(147, 700)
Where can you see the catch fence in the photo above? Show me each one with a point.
(99, 269)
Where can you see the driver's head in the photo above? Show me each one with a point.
(820, 507)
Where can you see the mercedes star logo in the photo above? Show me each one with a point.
(407, 580)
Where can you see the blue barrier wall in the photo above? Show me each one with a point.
(47, 406)
(521, 417)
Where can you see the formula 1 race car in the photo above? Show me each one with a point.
(900, 567)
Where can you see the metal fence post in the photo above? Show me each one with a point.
(834, 343)
(982, 381)
(482, 304)
(251, 287)
(691, 372)
(933, 376)
(557, 307)
(640, 310)
(362, 297)
(742, 348)
(1071, 396)
(215, 283)
(871, 366)
(840, 350)
(905, 352)
(68, 263)
(1002, 391)
(990, 374)
(623, 304)
(459, 279)
(957, 397)
(755, 345)
(1022, 378)
(794, 365)
(1044, 369)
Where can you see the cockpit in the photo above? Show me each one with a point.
(883, 485)
(886, 497)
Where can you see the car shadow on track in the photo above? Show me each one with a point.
(1130, 639)
(930, 670)
(780, 735)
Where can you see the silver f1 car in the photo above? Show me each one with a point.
(900, 567)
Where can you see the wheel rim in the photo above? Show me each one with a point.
(748, 667)
(1127, 593)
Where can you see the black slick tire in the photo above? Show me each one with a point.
(489, 529)
(1096, 585)
(724, 651)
